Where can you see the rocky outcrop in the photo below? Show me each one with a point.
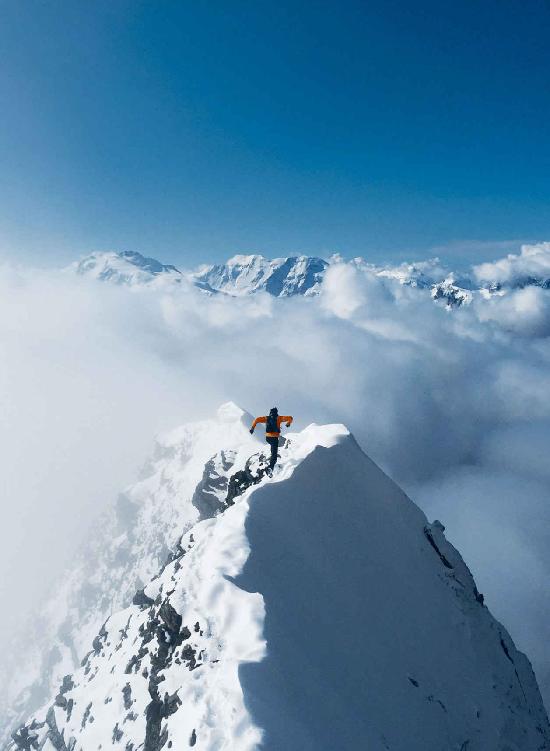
(210, 494)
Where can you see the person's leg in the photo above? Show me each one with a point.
(274, 443)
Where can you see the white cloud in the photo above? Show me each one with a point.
(532, 261)
(452, 403)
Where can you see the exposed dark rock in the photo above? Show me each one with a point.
(153, 719)
(117, 734)
(429, 537)
(169, 635)
(24, 739)
(505, 650)
(135, 661)
(193, 738)
(171, 618)
(55, 737)
(141, 599)
(147, 631)
(86, 716)
(124, 631)
(480, 598)
(184, 633)
(67, 684)
(127, 694)
(208, 497)
(189, 655)
(254, 471)
(171, 704)
(97, 644)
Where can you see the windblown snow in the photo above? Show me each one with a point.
(223, 609)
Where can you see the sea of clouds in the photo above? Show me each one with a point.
(453, 404)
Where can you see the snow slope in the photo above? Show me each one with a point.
(317, 610)
(282, 277)
(122, 552)
(128, 268)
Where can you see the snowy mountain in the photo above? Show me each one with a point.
(303, 275)
(241, 275)
(219, 608)
(125, 268)
(125, 550)
(282, 277)
(451, 293)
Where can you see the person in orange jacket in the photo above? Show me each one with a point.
(273, 423)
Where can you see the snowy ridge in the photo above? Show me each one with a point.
(315, 610)
(122, 552)
(282, 277)
(304, 275)
(231, 629)
(128, 267)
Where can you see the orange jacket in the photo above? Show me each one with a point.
(280, 420)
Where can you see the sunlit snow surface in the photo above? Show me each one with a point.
(319, 612)
(304, 275)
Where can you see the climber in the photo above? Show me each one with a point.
(273, 423)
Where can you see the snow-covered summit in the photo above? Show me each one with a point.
(281, 277)
(451, 292)
(422, 274)
(127, 267)
(314, 610)
(304, 275)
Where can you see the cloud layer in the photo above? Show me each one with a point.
(532, 261)
(453, 404)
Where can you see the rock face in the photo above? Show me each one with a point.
(282, 277)
(376, 634)
(450, 293)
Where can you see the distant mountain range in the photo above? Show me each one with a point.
(303, 275)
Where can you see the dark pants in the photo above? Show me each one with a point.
(274, 443)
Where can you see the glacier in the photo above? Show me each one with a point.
(317, 609)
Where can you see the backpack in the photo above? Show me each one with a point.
(272, 424)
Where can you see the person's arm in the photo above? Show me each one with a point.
(285, 418)
(256, 421)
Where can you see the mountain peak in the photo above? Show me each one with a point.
(126, 267)
(246, 274)
(312, 610)
(246, 259)
(281, 277)
(230, 412)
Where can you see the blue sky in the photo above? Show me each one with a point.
(194, 130)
